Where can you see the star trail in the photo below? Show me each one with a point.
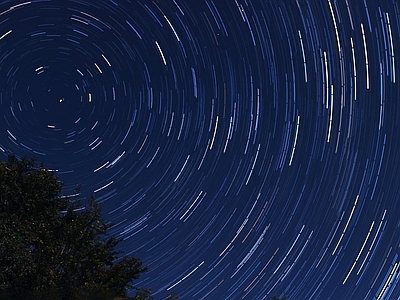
(242, 148)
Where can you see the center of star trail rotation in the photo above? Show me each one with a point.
(241, 148)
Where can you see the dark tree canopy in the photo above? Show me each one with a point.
(51, 247)
(277, 298)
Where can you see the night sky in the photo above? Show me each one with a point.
(242, 148)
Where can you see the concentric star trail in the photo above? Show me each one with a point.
(242, 148)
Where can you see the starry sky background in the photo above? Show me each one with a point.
(243, 148)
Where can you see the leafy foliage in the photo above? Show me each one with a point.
(51, 247)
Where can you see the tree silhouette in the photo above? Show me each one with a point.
(53, 248)
(277, 298)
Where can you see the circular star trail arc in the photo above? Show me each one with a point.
(241, 148)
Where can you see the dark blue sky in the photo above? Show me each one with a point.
(242, 148)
